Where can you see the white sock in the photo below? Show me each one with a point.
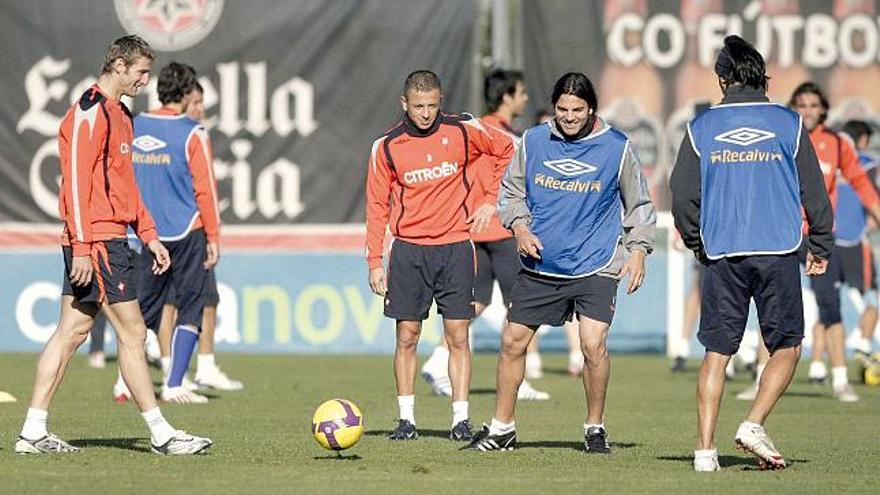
(205, 362)
(575, 359)
(498, 428)
(407, 405)
(166, 364)
(818, 370)
(706, 453)
(684, 348)
(864, 345)
(35, 424)
(160, 430)
(838, 376)
(759, 372)
(752, 425)
(587, 426)
(533, 360)
(459, 411)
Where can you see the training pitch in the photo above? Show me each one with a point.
(263, 443)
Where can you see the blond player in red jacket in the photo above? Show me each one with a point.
(99, 200)
(418, 180)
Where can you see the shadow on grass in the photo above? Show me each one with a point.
(748, 463)
(568, 444)
(809, 395)
(422, 433)
(482, 391)
(133, 444)
(560, 371)
(337, 457)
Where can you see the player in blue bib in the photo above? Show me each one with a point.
(851, 238)
(575, 197)
(744, 170)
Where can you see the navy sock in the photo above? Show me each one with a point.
(183, 343)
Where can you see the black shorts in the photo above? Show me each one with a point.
(114, 278)
(773, 281)
(418, 275)
(857, 265)
(212, 296)
(826, 288)
(187, 276)
(496, 260)
(542, 300)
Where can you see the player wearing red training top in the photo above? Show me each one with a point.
(418, 180)
(99, 200)
(836, 154)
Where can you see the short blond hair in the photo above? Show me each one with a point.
(128, 48)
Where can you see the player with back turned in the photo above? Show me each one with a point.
(745, 170)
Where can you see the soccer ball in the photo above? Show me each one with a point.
(338, 424)
(872, 370)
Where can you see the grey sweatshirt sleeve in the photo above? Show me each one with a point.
(639, 217)
(684, 184)
(814, 198)
(512, 206)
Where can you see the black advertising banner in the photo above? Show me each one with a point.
(295, 91)
(652, 62)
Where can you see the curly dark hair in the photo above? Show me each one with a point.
(176, 80)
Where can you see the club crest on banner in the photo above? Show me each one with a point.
(169, 25)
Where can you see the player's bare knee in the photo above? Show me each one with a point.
(132, 336)
(512, 345)
(594, 351)
(74, 333)
(407, 340)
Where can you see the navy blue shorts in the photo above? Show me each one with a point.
(857, 266)
(728, 284)
(496, 260)
(114, 277)
(212, 296)
(418, 275)
(186, 277)
(540, 300)
(826, 288)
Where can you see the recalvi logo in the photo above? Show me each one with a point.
(730, 156)
(577, 186)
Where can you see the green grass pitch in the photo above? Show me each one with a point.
(263, 443)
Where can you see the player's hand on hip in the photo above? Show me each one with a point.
(161, 258)
(378, 283)
(213, 257)
(81, 271)
(635, 267)
(482, 216)
(815, 266)
(527, 243)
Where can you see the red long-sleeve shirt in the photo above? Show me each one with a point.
(836, 152)
(418, 181)
(99, 197)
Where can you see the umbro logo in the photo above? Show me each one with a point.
(148, 143)
(569, 167)
(744, 136)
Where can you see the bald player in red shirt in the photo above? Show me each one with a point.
(418, 180)
(99, 200)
